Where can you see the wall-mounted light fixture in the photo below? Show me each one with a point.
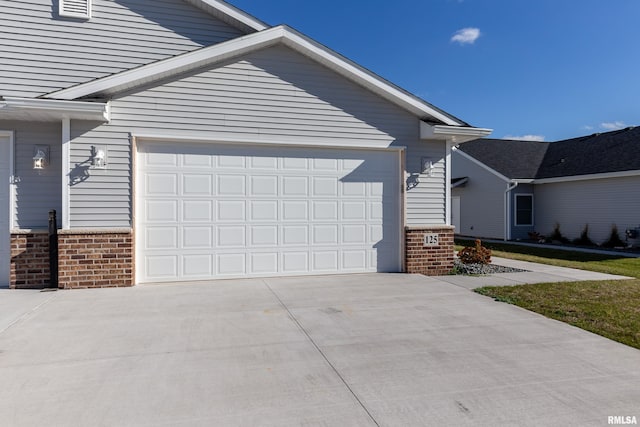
(40, 157)
(98, 157)
(427, 166)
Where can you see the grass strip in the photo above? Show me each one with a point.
(607, 308)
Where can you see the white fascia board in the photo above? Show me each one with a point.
(347, 68)
(607, 175)
(456, 134)
(57, 108)
(252, 42)
(482, 165)
(223, 9)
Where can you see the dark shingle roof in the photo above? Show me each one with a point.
(513, 159)
(615, 151)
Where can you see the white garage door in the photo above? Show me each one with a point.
(221, 211)
(5, 249)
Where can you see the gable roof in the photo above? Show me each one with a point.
(230, 14)
(108, 86)
(601, 153)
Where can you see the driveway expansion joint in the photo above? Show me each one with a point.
(324, 356)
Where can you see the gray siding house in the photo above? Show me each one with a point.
(516, 187)
(187, 140)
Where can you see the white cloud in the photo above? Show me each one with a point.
(466, 36)
(612, 125)
(538, 138)
(587, 127)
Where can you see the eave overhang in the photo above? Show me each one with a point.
(230, 14)
(37, 109)
(455, 134)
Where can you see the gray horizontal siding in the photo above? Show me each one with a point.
(41, 52)
(482, 210)
(599, 203)
(274, 95)
(36, 192)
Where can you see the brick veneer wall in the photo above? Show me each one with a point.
(29, 266)
(431, 261)
(95, 259)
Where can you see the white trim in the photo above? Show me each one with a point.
(507, 209)
(482, 165)
(234, 13)
(66, 169)
(607, 175)
(252, 42)
(515, 209)
(447, 206)
(54, 108)
(457, 134)
(224, 139)
(12, 186)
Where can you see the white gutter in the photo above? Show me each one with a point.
(456, 134)
(507, 203)
(54, 108)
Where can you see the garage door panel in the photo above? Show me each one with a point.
(231, 210)
(162, 184)
(197, 211)
(264, 210)
(263, 263)
(266, 235)
(196, 185)
(194, 237)
(254, 211)
(231, 237)
(232, 264)
(161, 211)
(199, 266)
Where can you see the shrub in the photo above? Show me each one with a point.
(477, 254)
(584, 239)
(614, 239)
(557, 235)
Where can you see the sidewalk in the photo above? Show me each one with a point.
(536, 273)
(610, 252)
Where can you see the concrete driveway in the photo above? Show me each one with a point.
(359, 350)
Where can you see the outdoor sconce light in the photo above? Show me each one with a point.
(40, 157)
(427, 166)
(98, 157)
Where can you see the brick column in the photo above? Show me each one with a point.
(433, 260)
(95, 258)
(29, 265)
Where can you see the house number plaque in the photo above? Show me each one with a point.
(431, 239)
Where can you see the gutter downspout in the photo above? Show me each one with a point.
(507, 206)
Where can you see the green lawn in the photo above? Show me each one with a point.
(607, 308)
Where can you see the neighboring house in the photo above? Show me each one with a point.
(185, 140)
(505, 189)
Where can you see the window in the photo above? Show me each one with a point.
(75, 8)
(524, 209)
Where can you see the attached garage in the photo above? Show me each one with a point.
(212, 210)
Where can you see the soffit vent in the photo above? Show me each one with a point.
(75, 8)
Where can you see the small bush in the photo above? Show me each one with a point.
(557, 235)
(614, 239)
(584, 239)
(477, 254)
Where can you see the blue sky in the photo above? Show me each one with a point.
(551, 69)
